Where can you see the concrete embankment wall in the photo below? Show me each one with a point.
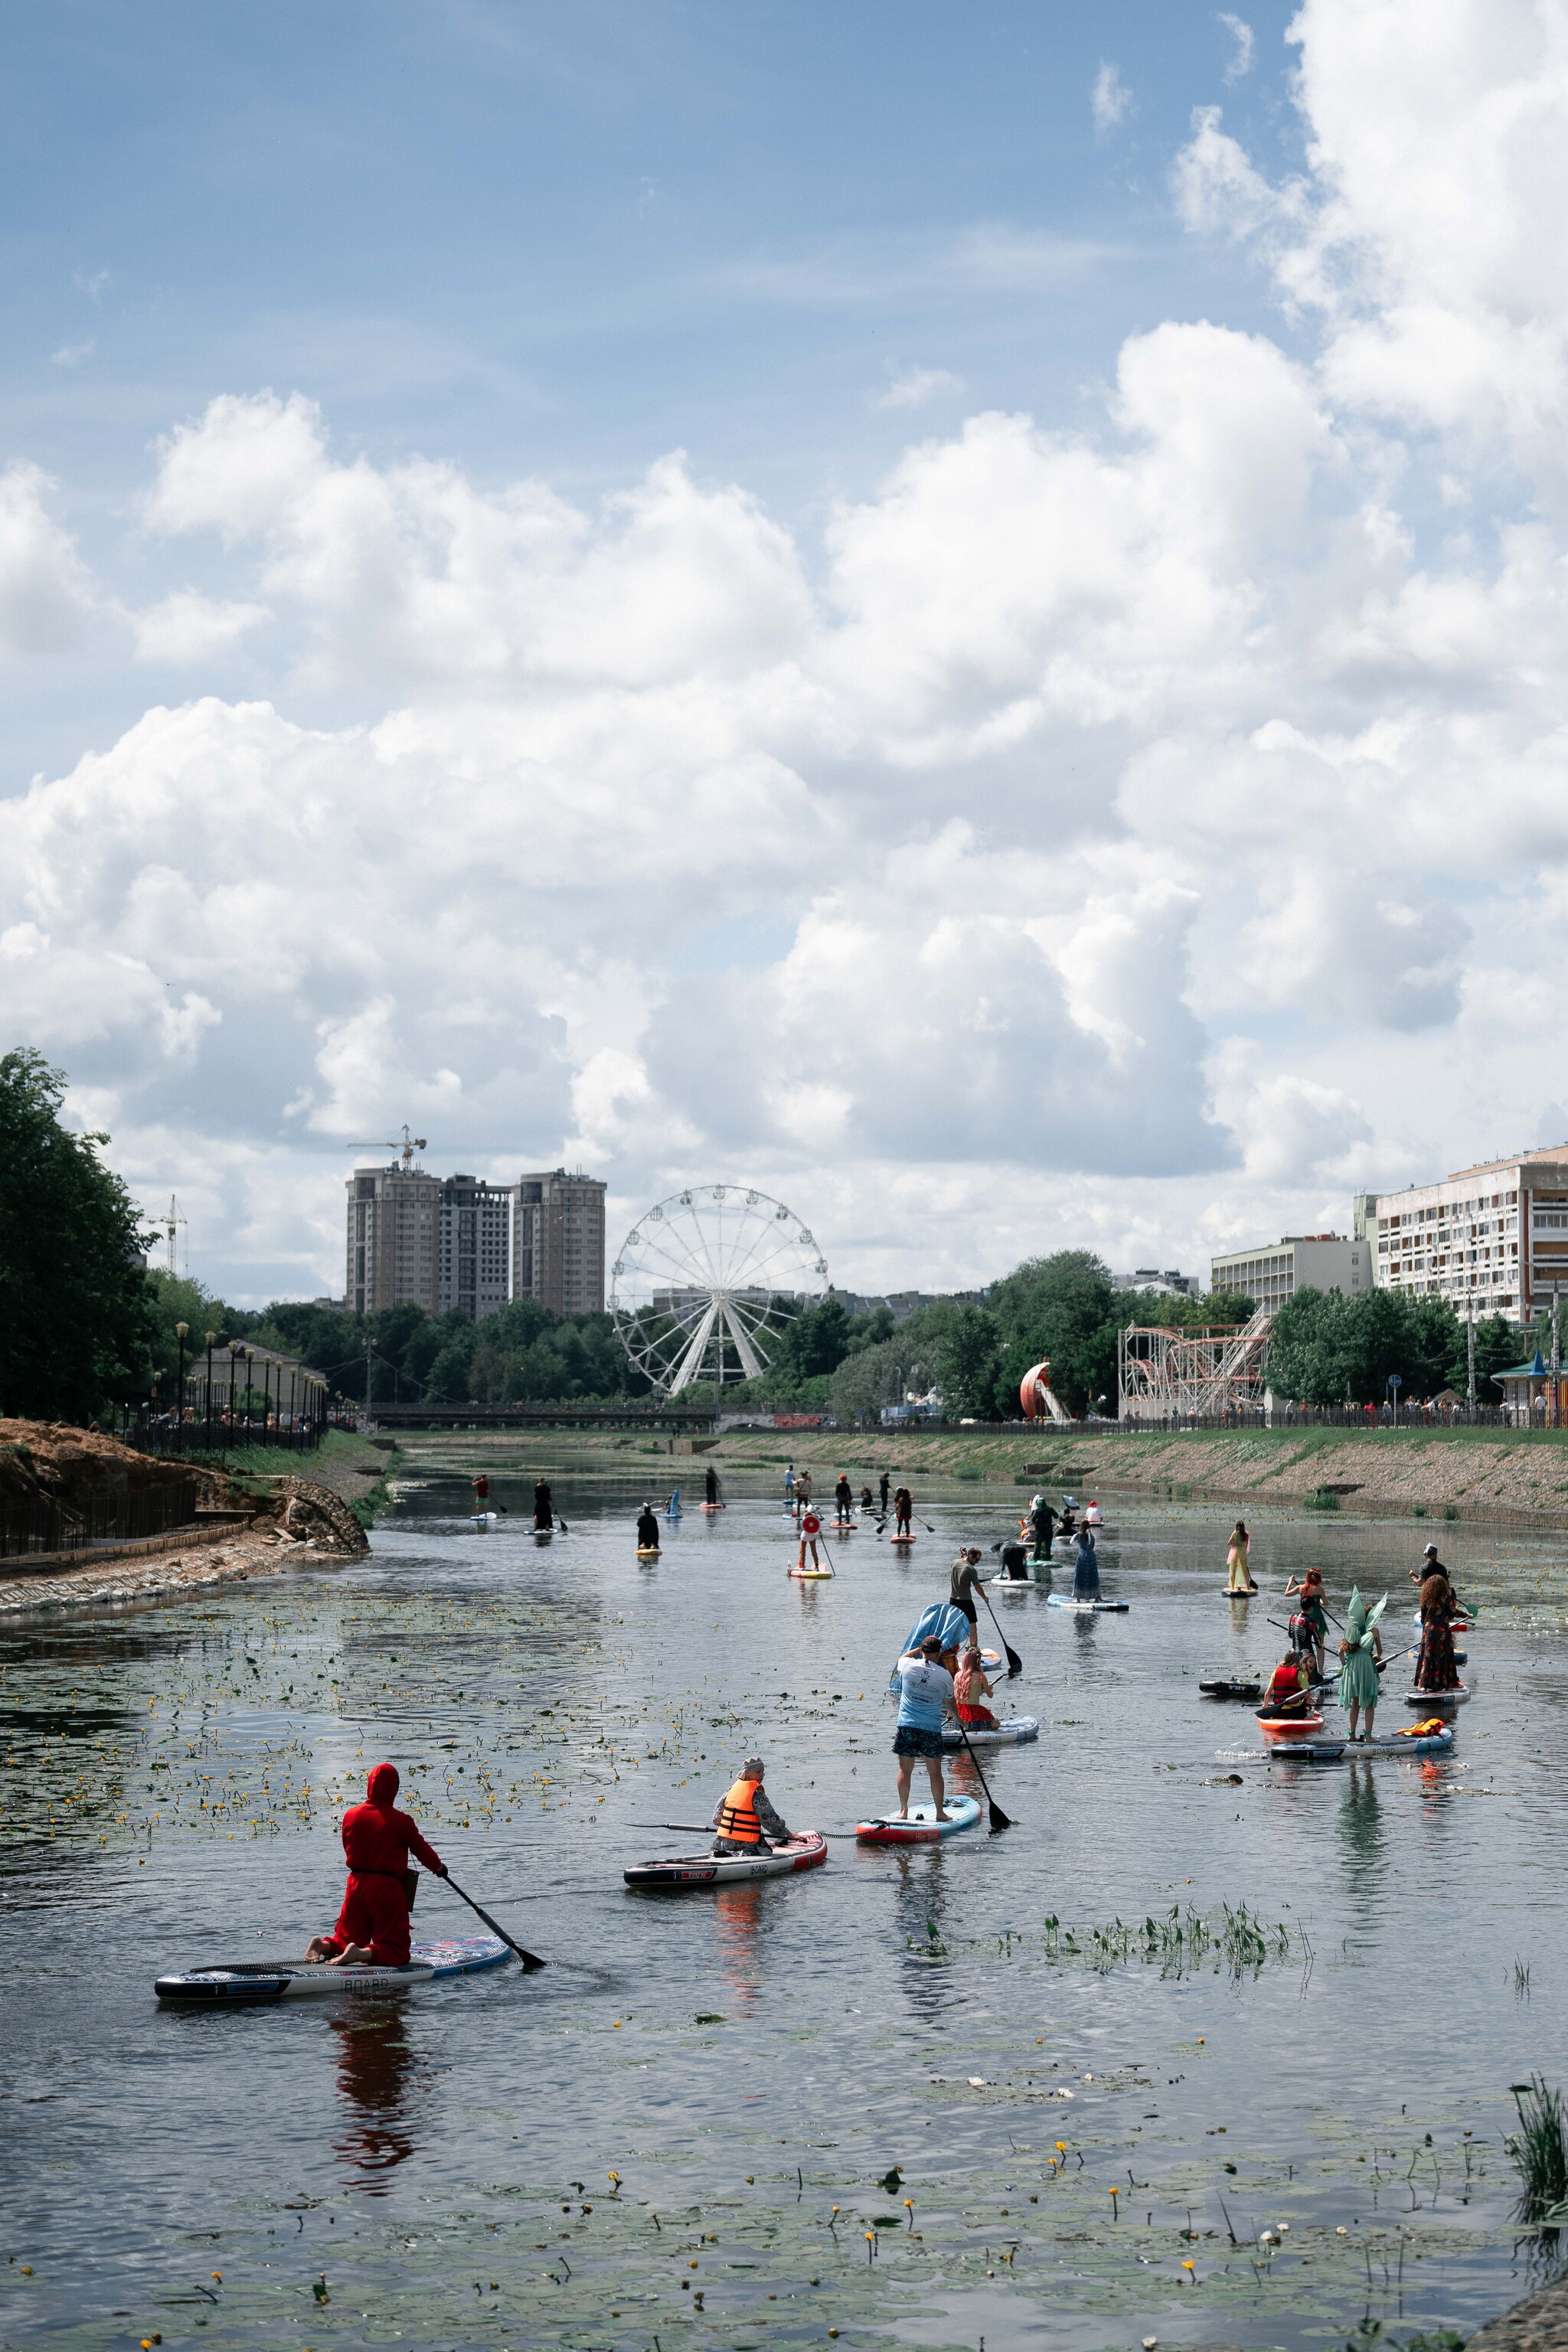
(1506, 1474)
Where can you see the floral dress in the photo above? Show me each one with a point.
(1437, 1668)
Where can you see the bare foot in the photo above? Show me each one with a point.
(944, 1817)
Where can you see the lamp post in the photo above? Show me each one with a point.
(236, 1351)
(208, 1400)
(182, 1333)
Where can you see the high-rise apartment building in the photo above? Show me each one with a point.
(394, 1229)
(558, 1242)
(473, 1271)
(1495, 1235)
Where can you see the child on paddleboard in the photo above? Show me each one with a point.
(970, 1690)
(377, 1841)
(1289, 1688)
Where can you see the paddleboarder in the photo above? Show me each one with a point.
(1360, 1650)
(481, 1495)
(904, 1516)
(925, 1692)
(373, 1925)
(1084, 1567)
(865, 1497)
(745, 1819)
(789, 1488)
(844, 1498)
(710, 1493)
(1437, 1668)
(1042, 1526)
(809, 1526)
(1310, 1624)
(882, 1484)
(543, 1506)
(803, 1491)
(1289, 1688)
(1238, 1565)
(970, 1690)
(963, 1582)
(647, 1529)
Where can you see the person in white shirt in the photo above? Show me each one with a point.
(925, 1692)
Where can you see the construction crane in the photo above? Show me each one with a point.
(406, 1150)
(168, 1221)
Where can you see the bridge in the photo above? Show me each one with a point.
(650, 1418)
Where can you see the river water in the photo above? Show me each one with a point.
(683, 2132)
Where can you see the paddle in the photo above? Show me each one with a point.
(999, 1819)
(1015, 1662)
(705, 1829)
(529, 1959)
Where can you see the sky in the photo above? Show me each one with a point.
(954, 614)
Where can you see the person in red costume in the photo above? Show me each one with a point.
(378, 1840)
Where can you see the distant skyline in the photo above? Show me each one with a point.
(956, 614)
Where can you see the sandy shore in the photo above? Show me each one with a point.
(96, 1583)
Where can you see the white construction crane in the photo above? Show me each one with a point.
(406, 1150)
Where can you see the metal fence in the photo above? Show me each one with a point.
(46, 1527)
(214, 1432)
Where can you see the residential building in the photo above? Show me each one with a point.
(1275, 1271)
(1494, 1237)
(473, 1272)
(394, 1219)
(901, 1304)
(558, 1242)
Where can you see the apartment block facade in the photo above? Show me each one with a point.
(558, 1242)
(394, 1229)
(1492, 1240)
(460, 1242)
(1275, 1271)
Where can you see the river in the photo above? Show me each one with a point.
(684, 2132)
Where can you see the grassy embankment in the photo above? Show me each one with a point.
(349, 1465)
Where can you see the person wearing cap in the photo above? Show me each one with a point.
(744, 1819)
(964, 1581)
(1430, 1566)
(1042, 1526)
(925, 1693)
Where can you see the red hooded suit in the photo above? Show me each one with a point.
(378, 1841)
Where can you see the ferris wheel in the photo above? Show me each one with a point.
(708, 1281)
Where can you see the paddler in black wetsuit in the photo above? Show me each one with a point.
(647, 1529)
(1043, 1526)
(710, 1489)
(844, 1498)
(543, 1505)
(883, 1482)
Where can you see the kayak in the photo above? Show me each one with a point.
(1088, 1607)
(1438, 1698)
(1285, 1730)
(810, 1575)
(299, 1980)
(677, 1871)
(1009, 1733)
(1225, 1688)
(922, 1828)
(647, 1552)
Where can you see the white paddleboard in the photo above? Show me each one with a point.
(1011, 1732)
(304, 1980)
(922, 1827)
(1438, 1698)
(1088, 1607)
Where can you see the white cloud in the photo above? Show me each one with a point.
(71, 355)
(1109, 98)
(47, 594)
(1241, 57)
(916, 385)
(187, 628)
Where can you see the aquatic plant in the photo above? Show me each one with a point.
(1539, 2153)
(1179, 1941)
(1321, 1498)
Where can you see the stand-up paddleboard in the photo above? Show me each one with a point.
(483, 1518)
(543, 1535)
(1225, 1686)
(1088, 1607)
(810, 1575)
(843, 1527)
(1455, 1625)
(902, 1542)
(922, 1828)
(710, 1506)
(300, 1980)
(1330, 1751)
(1011, 1732)
(679, 1872)
(647, 1552)
(1250, 1592)
(1431, 1699)
(1012, 1583)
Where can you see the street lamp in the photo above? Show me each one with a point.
(182, 1333)
(208, 1414)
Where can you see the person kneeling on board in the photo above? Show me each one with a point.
(745, 1821)
(925, 1692)
(377, 1840)
(647, 1529)
(1289, 1688)
(970, 1690)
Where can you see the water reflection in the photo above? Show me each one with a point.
(376, 2065)
(927, 1919)
(1360, 1832)
(737, 1913)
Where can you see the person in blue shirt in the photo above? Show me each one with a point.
(925, 1692)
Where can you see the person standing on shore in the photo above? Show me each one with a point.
(1237, 1563)
(1360, 1651)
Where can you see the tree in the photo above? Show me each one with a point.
(1327, 1346)
(1062, 1308)
(867, 1380)
(76, 1322)
(1498, 1346)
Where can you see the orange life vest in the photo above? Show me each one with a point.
(738, 1815)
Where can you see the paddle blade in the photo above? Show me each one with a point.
(1015, 1662)
(999, 1819)
(530, 1961)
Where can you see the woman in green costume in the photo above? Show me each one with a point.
(1361, 1649)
